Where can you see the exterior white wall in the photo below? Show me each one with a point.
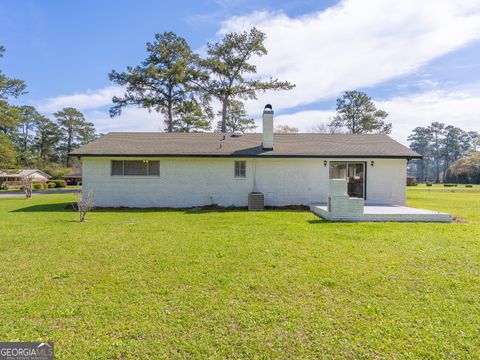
(386, 181)
(187, 182)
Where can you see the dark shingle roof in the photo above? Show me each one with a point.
(247, 145)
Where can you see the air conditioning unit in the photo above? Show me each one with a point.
(256, 201)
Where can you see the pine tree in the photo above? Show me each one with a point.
(225, 72)
(160, 83)
(75, 131)
(357, 113)
(237, 118)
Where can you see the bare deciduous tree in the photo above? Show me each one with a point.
(84, 204)
(285, 129)
(324, 128)
(27, 186)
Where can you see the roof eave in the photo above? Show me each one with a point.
(408, 157)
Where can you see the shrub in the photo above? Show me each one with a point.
(469, 185)
(59, 183)
(36, 185)
(4, 186)
(56, 172)
(450, 185)
(428, 183)
(51, 185)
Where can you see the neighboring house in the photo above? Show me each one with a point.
(74, 178)
(14, 177)
(192, 169)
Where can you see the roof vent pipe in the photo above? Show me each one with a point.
(267, 119)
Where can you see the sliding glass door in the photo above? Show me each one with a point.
(353, 172)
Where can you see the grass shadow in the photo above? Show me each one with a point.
(320, 221)
(69, 206)
(57, 207)
(221, 209)
(208, 211)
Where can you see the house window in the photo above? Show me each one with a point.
(240, 169)
(154, 168)
(135, 168)
(117, 168)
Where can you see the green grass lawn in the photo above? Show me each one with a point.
(237, 284)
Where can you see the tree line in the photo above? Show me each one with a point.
(30, 139)
(442, 146)
(184, 87)
(172, 80)
(180, 84)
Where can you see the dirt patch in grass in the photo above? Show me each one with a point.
(211, 207)
(459, 220)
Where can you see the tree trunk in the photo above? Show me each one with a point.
(420, 170)
(170, 110)
(170, 117)
(426, 170)
(41, 150)
(224, 114)
(445, 167)
(25, 140)
(437, 158)
(69, 146)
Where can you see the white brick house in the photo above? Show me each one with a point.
(192, 169)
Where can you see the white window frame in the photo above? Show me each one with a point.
(123, 169)
(244, 169)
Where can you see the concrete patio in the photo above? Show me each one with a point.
(342, 207)
(382, 213)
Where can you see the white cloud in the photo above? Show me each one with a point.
(454, 107)
(458, 108)
(91, 99)
(95, 106)
(131, 119)
(305, 121)
(355, 44)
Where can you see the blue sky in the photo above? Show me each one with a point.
(62, 47)
(420, 61)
